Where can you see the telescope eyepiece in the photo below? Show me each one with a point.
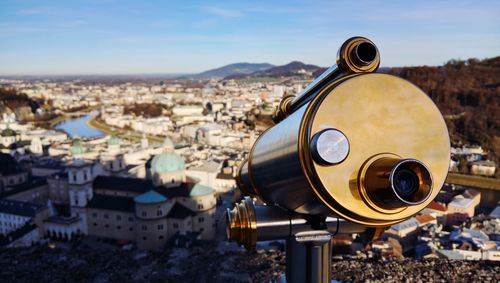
(365, 53)
(358, 55)
(411, 181)
(392, 183)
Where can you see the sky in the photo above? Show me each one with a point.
(147, 36)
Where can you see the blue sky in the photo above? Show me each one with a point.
(130, 37)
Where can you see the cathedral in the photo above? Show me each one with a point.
(165, 206)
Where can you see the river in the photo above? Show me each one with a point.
(78, 127)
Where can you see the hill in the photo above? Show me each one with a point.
(294, 68)
(231, 69)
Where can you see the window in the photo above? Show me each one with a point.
(111, 165)
(144, 228)
(95, 224)
(85, 176)
(176, 225)
(160, 238)
(200, 206)
(106, 226)
(74, 178)
(106, 216)
(130, 219)
(119, 227)
(144, 214)
(144, 238)
(118, 217)
(159, 213)
(94, 215)
(201, 220)
(160, 226)
(131, 229)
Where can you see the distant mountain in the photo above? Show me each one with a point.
(232, 69)
(291, 69)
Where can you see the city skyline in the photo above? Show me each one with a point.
(124, 37)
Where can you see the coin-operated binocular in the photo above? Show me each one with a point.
(354, 152)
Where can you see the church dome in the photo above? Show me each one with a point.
(114, 139)
(201, 190)
(8, 133)
(168, 142)
(167, 162)
(150, 197)
(77, 147)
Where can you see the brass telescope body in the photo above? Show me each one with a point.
(366, 147)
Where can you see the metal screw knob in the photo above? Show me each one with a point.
(329, 147)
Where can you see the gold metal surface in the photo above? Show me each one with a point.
(283, 109)
(379, 191)
(348, 57)
(379, 114)
(241, 223)
(356, 55)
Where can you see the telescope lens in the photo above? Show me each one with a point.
(392, 183)
(406, 183)
(366, 52)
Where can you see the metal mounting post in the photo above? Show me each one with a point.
(309, 257)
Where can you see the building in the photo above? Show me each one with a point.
(15, 214)
(462, 207)
(483, 167)
(153, 211)
(113, 159)
(11, 173)
(8, 139)
(150, 212)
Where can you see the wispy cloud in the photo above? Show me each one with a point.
(223, 12)
(42, 11)
(14, 29)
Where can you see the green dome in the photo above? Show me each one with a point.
(77, 148)
(113, 140)
(167, 162)
(168, 142)
(150, 197)
(201, 190)
(8, 133)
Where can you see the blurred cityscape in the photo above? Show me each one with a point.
(149, 164)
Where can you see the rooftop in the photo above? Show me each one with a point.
(9, 165)
(107, 202)
(409, 223)
(201, 190)
(150, 198)
(20, 208)
(135, 185)
(461, 202)
(179, 211)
